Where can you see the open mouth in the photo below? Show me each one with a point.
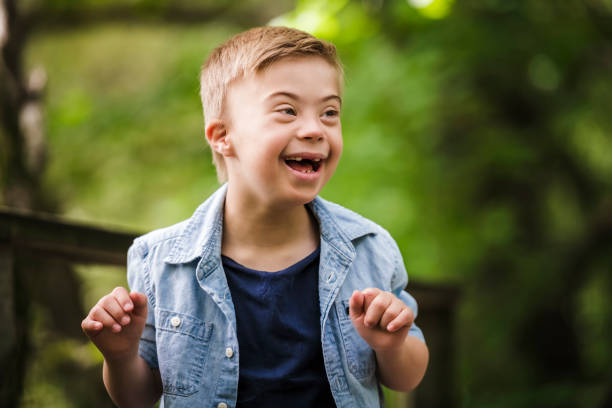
(303, 165)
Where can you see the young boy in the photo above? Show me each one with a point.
(268, 295)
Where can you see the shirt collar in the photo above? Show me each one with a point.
(201, 236)
(338, 222)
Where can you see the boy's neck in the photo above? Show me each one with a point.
(264, 238)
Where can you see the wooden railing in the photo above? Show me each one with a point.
(25, 237)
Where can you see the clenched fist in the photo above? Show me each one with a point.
(116, 322)
(381, 318)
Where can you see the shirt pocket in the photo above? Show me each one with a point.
(360, 356)
(182, 347)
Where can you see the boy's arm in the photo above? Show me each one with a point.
(393, 365)
(132, 383)
(115, 325)
(383, 321)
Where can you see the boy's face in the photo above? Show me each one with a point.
(284, 132)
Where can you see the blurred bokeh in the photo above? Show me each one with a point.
(478, 132)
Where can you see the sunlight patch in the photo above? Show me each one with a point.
(434, 9)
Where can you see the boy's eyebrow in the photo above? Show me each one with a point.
(297, 98)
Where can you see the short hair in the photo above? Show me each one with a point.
(252, 51)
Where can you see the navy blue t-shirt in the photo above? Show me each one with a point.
(279, 335)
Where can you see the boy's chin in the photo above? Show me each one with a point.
(301, 200)
(303, 196)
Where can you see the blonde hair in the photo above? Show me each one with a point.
(252, 51)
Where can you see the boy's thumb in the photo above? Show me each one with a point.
(140, 302)
(356, 303)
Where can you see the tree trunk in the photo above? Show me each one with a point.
(22, 162)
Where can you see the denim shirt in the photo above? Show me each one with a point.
(190, 333)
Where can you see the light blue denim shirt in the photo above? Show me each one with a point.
(190, 334)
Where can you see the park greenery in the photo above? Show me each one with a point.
(478, 132)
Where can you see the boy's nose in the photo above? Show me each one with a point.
(311, 129)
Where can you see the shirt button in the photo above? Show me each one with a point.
(222, 405)
(229, 352)
(175, 321)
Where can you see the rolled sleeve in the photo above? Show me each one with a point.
(399, 282)
(139, 281)
(411, 303)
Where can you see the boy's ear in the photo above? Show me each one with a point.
(218, 139)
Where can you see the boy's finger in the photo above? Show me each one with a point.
(356, 304)
(369, 295)
(113, 308)
(394, 310)
(376, 309)
(140, 303)
(404, 319)
(123, 298)
(91, 327)
(99, 314)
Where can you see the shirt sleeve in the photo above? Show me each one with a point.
(139, 281)
(399, 282)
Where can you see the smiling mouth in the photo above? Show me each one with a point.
(303, 165)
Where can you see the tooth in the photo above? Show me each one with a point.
(316, 160)
(298, 159)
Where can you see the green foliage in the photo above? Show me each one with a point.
(477, 134)
(131, 125)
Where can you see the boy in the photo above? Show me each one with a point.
(268, 295)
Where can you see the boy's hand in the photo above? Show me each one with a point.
(380, 318)
(116, 322)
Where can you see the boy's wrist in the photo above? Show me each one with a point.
(120, 359)
(391, 349)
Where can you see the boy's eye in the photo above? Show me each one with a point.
(288, 111)
(331, 113)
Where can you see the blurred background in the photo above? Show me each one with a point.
(478, 132)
